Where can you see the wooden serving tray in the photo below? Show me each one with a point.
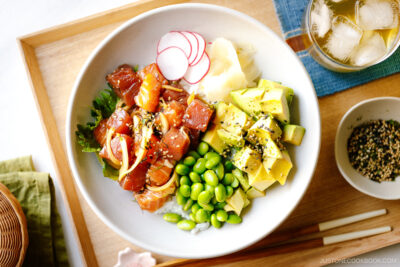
(53, 59)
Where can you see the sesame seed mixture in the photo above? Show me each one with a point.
(374, 149)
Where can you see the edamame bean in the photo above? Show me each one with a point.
(204, 197)
(180, 199)
(202, 149)
(182, 169)
(185, 190)
(192, 216)
(197, 188)
(228, 179)
(188, 204)
(185, 180)
(235, 183)
(228, 166)
(201, 216)
(210, 188)
(209, 155)
(195, 208)
(194, 154)
(200, 166)
(215, 222)
(219, 171)
(189, 161)
(220, 193)
(172, 217)
(186, 225)
(233, 219)
(229, 191)
(213, 161)
(220, 205)
(194, 177)
(211, 178)
(222, 215)
(207, 206)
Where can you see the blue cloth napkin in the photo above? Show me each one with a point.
(290, 14)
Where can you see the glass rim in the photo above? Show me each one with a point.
(396, 44)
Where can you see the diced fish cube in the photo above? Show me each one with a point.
(321, 17)
(344, 38)
(377, 14)
(372, 47)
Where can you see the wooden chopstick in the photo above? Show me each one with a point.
(261, 248)
(279, 237)
(291, 247)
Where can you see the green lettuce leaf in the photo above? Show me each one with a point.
(85, 138)
(108, 170)
(103, 107)
(105, 102)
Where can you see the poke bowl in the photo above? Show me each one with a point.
(136, 43)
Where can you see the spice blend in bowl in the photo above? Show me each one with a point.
(367, 147)
(374, 149)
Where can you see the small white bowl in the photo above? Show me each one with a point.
(384, 108)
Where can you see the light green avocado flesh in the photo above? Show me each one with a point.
(258, 102)
(293, 134)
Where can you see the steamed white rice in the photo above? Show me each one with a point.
(172, 206)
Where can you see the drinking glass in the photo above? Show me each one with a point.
(318, 52)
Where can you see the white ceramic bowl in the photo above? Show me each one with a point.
(135, 43)
(384, 108)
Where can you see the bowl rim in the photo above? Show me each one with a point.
(71, 103)
(337, 141)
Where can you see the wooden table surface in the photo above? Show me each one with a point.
(61, 52)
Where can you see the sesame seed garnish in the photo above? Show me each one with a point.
(374, 149)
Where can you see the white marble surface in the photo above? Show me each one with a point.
(20, 128)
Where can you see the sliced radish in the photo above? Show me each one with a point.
(172, 63)
(175, 39)
(201, 49)
(196, 73)
(194, 42)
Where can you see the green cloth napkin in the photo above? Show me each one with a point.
(35, 192)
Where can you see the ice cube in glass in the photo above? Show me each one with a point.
(372, 47)
(377, 14)
(321, 17)
(344, 38)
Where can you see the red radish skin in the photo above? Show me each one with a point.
(175, 39)
(196, 73)
(195, 45)
(201, 49)
(172, 63)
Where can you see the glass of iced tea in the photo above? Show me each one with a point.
(350, 35)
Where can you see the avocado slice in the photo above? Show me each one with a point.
(267, 84)
(258, 102)
(244, 182)
(293, 134)
(271, 149)
(279, 168)
(274, 102)
(237, 201)
(247, 159)
(265, 128)
(228, 208)
(253, 193)
(211, 137)
(232, 118)
(248, 99)
(260, 179)
(246, 202)
(230, 139)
